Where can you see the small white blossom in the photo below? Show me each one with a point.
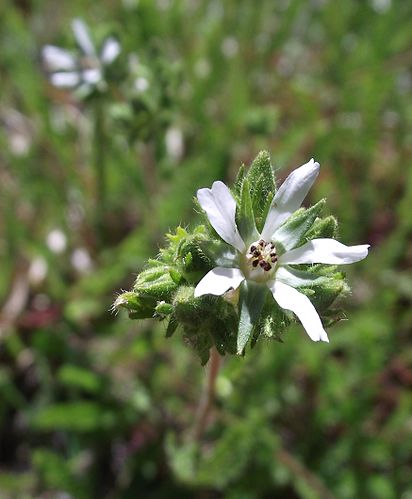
(260, 260)
(84, 70)
(38, 270)
(81, 260)
(174, 143)
(56, 241)
(141, 84)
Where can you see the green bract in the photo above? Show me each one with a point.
(258, 262)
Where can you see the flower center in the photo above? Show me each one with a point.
(262, 254)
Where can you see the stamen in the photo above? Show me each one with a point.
(262, 254)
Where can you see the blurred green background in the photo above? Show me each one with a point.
(95, 405)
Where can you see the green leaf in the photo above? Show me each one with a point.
(73, 416)
(246, 218)
(55, 470)
(292, 233)
(78, 377)
(252, 299)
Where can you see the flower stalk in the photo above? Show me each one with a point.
(100, 173)
(207, 398)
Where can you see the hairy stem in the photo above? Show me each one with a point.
(100, 171)
(208, 395)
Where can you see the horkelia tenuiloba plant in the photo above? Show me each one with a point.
(258, 262)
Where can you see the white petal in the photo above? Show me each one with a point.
(290, 299)
(220, 208)
(325, 251)
(92, 76)
(218, 281)
(289, 196)
(110, 50)
(81, 33)
(65, 80)
(56, 58)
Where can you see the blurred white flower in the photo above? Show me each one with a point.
(381, 6)
(37, 270)
(230, 47)
(174, 143)
(81, 261)
(163, 4)
(56, 241)
(141, 84)
(202, 68)
(18, 129)
(83, 70)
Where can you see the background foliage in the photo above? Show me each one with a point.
(95, 405)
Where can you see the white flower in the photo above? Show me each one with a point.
(84, 70)
(56, 241)
(265, 258)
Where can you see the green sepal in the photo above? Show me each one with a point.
(220, 253)
(272, 323)
(237, 187)
(171, 326)
(332, 316)
(323, 295)
(292, 233)
(139, 307)
(189, 255)
(251, 301)
(322, 283)
(163, 309)
(246, 218)
(206, 321)
(155, 282)
(176, 276)
(262, 187)
(323, 227)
